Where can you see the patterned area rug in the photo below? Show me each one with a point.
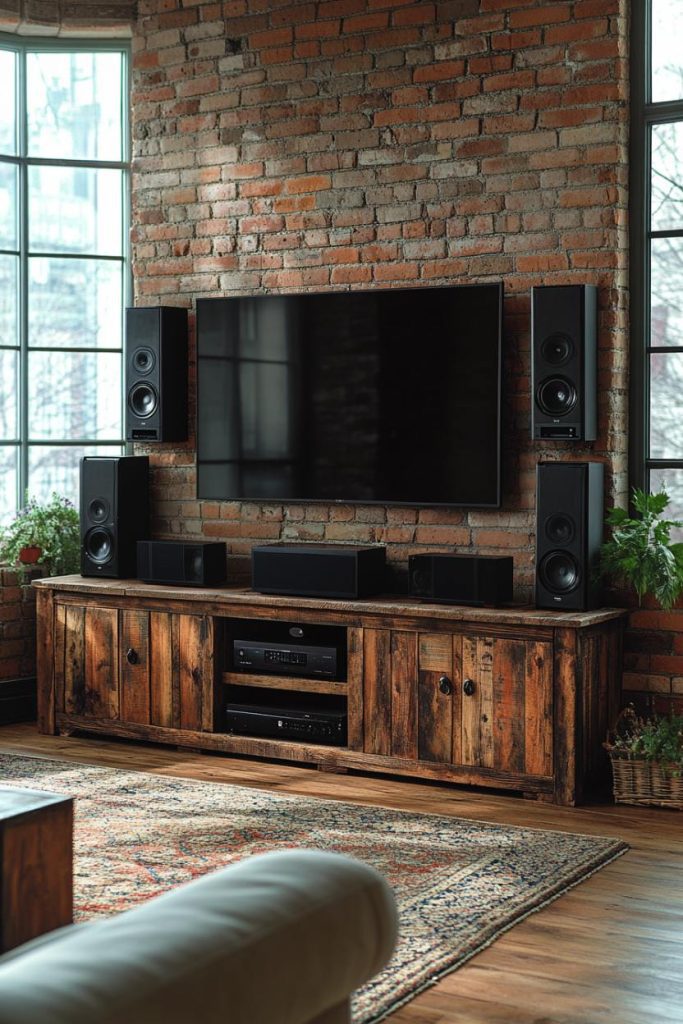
(459, 884)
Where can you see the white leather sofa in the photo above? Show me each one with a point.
(282, 938)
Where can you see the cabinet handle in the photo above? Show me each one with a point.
(445, 685)
(132, 656)
(468, 687)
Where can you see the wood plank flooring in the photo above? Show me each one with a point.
(609, 950)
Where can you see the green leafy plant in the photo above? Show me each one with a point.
(658, 739)
(53, 527)
(640, 553)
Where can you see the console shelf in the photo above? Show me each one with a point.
(510, 698)
(297, 683)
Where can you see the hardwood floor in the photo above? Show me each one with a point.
(609, 950)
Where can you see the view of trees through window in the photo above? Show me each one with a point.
(63, 266)
(664, 147)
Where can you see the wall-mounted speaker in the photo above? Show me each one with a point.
(564, 362)
(114, 514)
(461, 579)
(198, 564)
(569, 530)
(156, 373)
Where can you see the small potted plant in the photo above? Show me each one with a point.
(639, 552)
(647, 759)
(47, 534)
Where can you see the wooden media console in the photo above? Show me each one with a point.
(509, 698)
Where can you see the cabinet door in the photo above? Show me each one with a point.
(148, 668)
(506, 716)
(86, 661)
(182, 691)
(410, 694)
(479, 702)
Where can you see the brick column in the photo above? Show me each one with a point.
(17, 643)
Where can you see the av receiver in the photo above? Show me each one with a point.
(328, 726)
(285, 659)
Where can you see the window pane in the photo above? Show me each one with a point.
(667, 176)
(8, 394)
(8, 482)
(667, 57)
(671, 481)
(8, 206)
(74, 395)
(8, 132)
(74, 105)
(75, 209)
(57, 469)
(74, 303)
(666, 422)
(8, 300)
(666, 295)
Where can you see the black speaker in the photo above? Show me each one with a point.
(114, 513)
(461, 579)
(183, 562)
(156, 374)
(564, 362)
(569, 520)
(318, 570)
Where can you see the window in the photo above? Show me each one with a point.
(63, 262)
(657, 250)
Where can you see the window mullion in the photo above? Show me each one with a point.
(22, 142)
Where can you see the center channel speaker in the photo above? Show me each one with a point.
(318, 570)
(564, 362)
(461, 579)
(114, 514)
(569, 521)
(198, 564)
(156, 373)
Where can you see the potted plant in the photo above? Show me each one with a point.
(47, 534)
(639, 552)
(647, 759)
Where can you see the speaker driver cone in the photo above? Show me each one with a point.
(557, 349)
(98, 510)
(99, 546)
(143, 360)
(559, 572)
(556, 396)
(559, 528)
(143, 399)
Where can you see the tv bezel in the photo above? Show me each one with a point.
(498, 284)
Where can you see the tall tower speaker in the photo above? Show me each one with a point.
(114, 514)
(569, 518)
(156, 374)
(564, 362)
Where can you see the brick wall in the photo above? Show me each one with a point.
(17, 624)
(653, 658)
(369, 143)
(67, 17)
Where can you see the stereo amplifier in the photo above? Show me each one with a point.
(285, 659)
(327, 727)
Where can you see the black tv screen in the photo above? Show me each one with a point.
(389, 396)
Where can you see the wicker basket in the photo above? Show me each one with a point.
(645, 782)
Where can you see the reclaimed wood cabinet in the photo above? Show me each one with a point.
(509, 698)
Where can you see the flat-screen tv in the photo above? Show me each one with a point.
(387, 396)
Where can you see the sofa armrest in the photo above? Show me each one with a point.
(275, 939)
